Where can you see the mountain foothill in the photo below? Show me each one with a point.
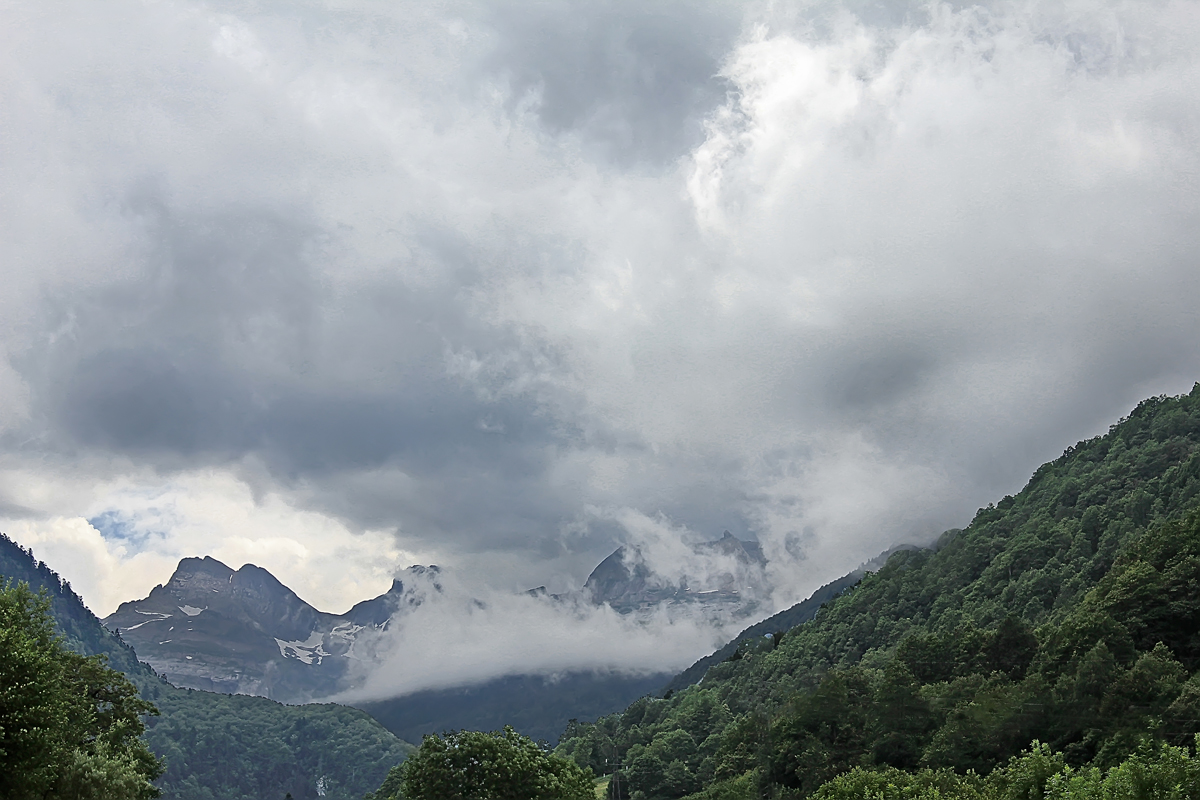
(234, 660)
(1051, 648)
(221, 746)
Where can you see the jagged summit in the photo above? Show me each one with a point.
(201, 565)
(251, 596)
(378, 611)
(244, 632)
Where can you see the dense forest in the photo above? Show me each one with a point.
(226, 747)
(1068, 614)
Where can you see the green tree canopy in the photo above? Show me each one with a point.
(471, 765)
(70, 727)
(1068, 613)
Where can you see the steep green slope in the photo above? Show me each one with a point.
(80, 629)
(1066, 613)
(772, 626)
(227, 747)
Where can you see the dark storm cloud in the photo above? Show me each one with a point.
(147, 401)
(228, 332)
(156, 363)
(227, 345)
(635, 80)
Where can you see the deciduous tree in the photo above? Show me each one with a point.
(70, 727)
(471, 765)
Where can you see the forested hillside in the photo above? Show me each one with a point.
(774, 625)
(227, 747)
(1068, 613)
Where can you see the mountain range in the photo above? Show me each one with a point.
(1066, 613)
(242, 631)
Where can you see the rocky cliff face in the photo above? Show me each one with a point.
(243, 632)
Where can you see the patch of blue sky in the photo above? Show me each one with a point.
(116, 526)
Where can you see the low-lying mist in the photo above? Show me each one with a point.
(458, 636)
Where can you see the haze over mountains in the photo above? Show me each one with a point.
(626, 582)
(242, 631)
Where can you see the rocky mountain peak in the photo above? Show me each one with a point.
(377, 611)
(243, 631)
(201, 566)
(195, 578)
(250, 595)
(744, 550)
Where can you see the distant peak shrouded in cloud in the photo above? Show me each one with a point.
(626, 620)
(338, 288)
(243, 631)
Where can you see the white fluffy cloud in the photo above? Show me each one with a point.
(131, 533)
(461, 636)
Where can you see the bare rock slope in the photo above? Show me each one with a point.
(243, 632)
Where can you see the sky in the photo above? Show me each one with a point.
(341, 287)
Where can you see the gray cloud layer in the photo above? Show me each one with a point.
(510, 278)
